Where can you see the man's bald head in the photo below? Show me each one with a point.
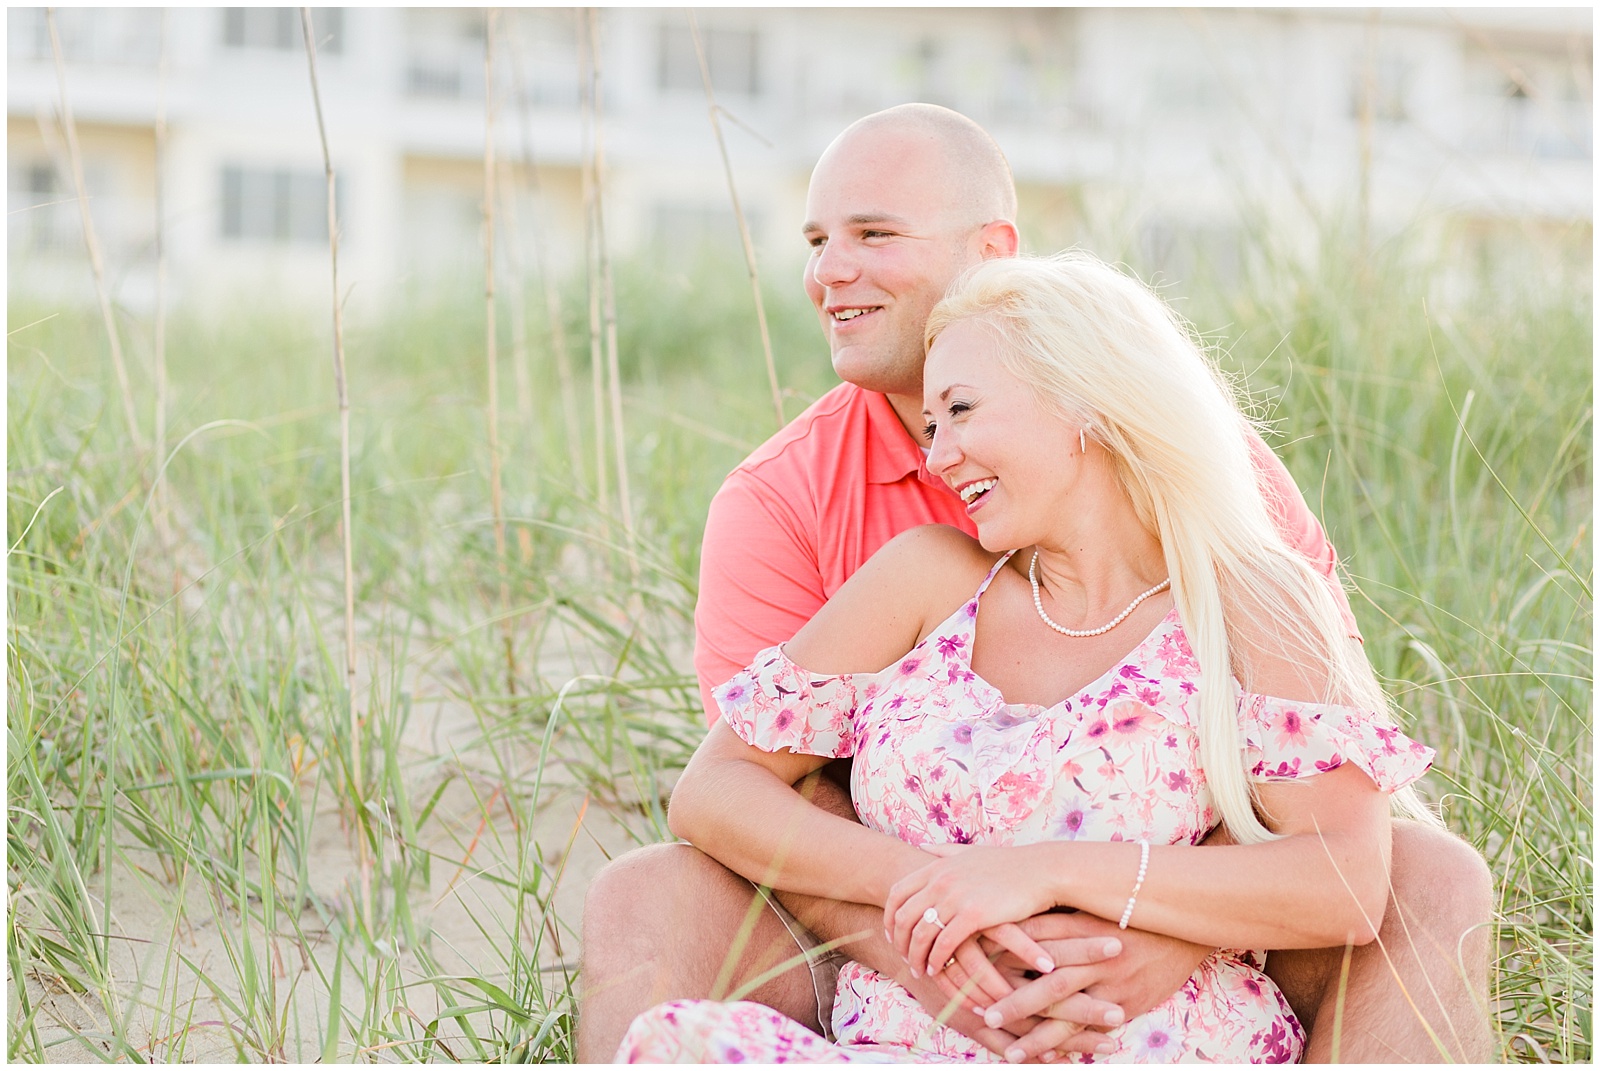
(976, 177)
(899, 205)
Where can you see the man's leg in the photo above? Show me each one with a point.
(1418, 993)
(662, 923)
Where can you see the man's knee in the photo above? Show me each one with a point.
(624, 882)
(667, 922)
(648, 891)
(1439, 880)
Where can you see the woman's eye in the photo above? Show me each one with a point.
(957, 408)
(927, 432)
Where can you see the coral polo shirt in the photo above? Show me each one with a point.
(796, 518)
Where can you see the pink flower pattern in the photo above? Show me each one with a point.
(940, 756)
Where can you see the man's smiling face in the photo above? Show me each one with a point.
(886, 242)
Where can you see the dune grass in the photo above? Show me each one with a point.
(182, 822)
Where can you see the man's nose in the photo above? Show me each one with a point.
(834, 265)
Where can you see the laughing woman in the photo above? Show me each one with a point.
(1056, 714)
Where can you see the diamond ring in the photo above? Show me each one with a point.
(931, 917)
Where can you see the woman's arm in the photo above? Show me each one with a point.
(735, 801)
(1323, 884)
(738, 804)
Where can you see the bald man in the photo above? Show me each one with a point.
(900, 204)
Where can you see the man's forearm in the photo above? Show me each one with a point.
(855, 929)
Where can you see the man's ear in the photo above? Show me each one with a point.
(998, 239)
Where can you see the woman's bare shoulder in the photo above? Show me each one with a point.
(937, 557)
(913, 582)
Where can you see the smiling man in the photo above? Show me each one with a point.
(899, 205)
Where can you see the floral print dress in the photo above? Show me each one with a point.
(941, 757)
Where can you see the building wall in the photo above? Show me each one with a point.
(1142, 131)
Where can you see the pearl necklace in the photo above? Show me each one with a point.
(1038, 604)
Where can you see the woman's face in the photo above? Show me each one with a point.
(1014, 464)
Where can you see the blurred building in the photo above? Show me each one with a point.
(1171, 133)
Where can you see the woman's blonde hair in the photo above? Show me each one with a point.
(1104, 352)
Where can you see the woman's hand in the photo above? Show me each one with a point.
(931, 911)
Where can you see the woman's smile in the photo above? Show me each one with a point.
(976, 493)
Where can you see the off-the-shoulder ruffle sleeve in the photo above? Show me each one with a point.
(1285, 740)
(773, 703)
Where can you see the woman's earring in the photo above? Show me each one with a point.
(1083, 447)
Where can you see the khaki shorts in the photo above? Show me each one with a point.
(824, 963)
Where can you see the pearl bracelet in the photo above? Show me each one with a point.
(1138, 883)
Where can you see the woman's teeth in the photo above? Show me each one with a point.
(973, 490)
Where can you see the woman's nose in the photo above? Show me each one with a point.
(944, 455)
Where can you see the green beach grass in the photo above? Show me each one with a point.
(183, 814)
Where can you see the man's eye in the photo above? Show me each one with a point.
(816, 244)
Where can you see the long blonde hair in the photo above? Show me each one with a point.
(1104, 352)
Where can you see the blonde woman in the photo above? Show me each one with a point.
(1056, 714)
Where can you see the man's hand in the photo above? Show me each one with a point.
(971, 981)
(948, 1009)
(1149, 969)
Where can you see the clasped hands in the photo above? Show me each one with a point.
(974, 921)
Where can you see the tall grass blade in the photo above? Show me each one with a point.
(491, 349)
(353, 720)
(715, 112)
(91, 240)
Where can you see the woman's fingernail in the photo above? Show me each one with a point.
(1047, 1057)
(1114, 1017)
(1015, 1056)
(992, 1019)
(1105, 1048)
(1112, 947)
(1044, 964)
(981, 1012)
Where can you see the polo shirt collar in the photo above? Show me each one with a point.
(892, 454)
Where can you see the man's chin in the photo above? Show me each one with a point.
(869, 372)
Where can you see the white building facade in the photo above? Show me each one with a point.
(1155, 125)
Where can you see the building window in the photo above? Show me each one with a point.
(730, 56)
(275, 204)
(1531, 102)
(278, 28)
(444, 53)
(43, 214)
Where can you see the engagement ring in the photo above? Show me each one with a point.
(931, 917)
